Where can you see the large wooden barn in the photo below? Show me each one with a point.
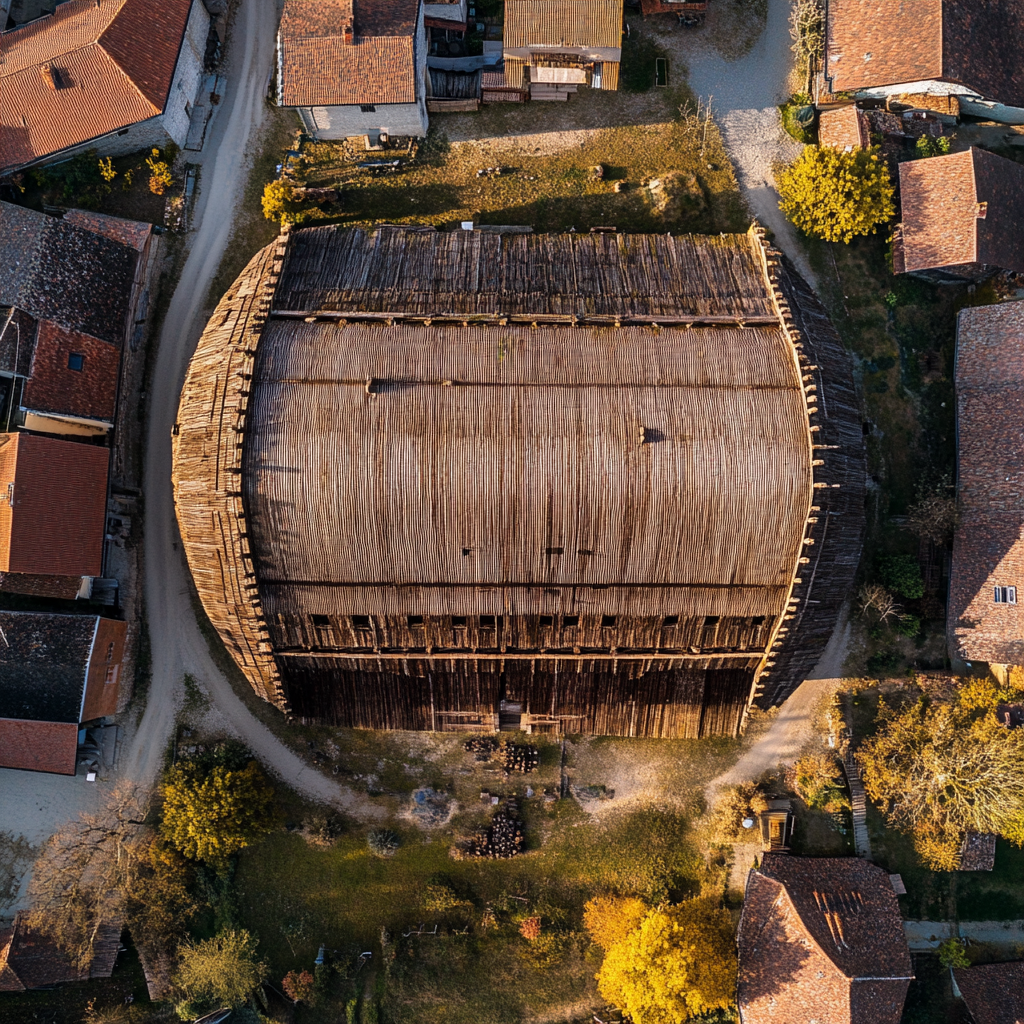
(599, 483)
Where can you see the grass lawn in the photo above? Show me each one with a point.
(296, 897)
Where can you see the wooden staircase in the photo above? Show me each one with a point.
(858, 801)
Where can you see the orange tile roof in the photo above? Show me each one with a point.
(56, 523)
(113, 62)
(842, 128)
(962, 208)
(571, 23)
(319, 68)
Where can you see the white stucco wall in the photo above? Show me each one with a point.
(343, 121)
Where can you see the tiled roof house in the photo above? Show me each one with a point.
(56, 672)
(356, 67)
(961, 216)
(986, 587)
(30, 960)
(111, 75)
(564, 44)
(70, 293)
(993, 993)
(956, 48)
(821, 939)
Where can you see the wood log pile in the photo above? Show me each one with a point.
(502, 839)
(516, 758)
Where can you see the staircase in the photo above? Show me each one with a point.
(861, 839)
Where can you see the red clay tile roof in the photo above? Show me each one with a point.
(842, 127)
(319, 68)
(38, 747)
(871, 44)
(55, 524)
(571, 23)
(988, 548)
(994, 993)
(53, 387)
(962, 208)
(114, 62)
(821, 939)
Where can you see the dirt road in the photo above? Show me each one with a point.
(177, 645)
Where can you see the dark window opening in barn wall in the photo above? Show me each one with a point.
(570, 621)
(547, 620)
(711, 620)
(490, 621)
(360, 621)
(458, 620)
(608, 621)
(554, 551)
(757, 620)
(321, 620)
(414, 620)
(670, 620)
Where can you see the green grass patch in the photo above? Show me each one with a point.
(296, 897)
(640, 54)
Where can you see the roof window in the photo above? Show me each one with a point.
(76, 361)
(360, 621)
(1005, 595)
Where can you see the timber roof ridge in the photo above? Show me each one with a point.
(243, 627)
(770, 260)
(501, 319)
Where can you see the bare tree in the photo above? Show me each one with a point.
(874, 597)
(934, 515)
(807, 27)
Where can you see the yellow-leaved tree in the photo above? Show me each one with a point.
(680, 961)
(610, 919)
(211, 814)
(831, 194)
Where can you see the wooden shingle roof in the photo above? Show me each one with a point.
(88, 69)
(569, 23)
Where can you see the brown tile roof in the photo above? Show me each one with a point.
(319, 68)
(66, 588)
(38, 747)
(571, 23)
(977, 852)
(114, 61)
(994, 993)
(962, 208)
(821, 939)
(56, 270)
(960, 41)
(55, 523)
(988, 549)
(842, 127)
(53, 387)
(133, 233)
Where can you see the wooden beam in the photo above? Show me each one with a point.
(513, 656)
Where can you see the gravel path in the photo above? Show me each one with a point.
(745, 96)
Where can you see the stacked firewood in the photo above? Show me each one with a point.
(515, 758)
(502, 839)
(481, 745)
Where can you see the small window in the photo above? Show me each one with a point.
(487, 622)
(547, 620)
(76, 361)
(670, 620)
(321, 620)
(414, 620)
(607, 621)
(710, 620)
(123, 131)
(553, 551)
(1006, 595)
(458, 620)
(368, 108)
(110, 653)
(111, 675)
(757, 620)
(360, 621)
(570, 620)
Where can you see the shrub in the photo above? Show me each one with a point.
(819, 782)
(530, 928)
(299, 987)
(909, 625)
(107, 172)
(836, 195)
(926, 146)
(902, 575)
(382, 842)
(322, 829)
(279, 201)
(442, 899)
(160, 177)
(224, 969)
(609, 919)
(952, 954)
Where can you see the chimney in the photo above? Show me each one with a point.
(51, 76)
(347, 34)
